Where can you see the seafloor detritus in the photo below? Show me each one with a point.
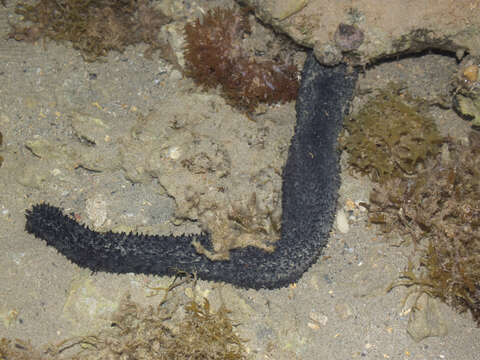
(214, 56)
(157, 331)
(94, 27)
(439, 209)
(389, 138)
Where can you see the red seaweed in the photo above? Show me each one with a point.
(214, 56)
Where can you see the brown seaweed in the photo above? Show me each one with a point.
(389, 137)
(429, 196)
(440, 210)
(94, 27)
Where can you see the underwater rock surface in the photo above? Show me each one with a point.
(310, 187)
(363, 31)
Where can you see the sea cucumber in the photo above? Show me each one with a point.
(310, 188)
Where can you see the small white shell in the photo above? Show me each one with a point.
(174, 152)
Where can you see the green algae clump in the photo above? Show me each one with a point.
(389, 137)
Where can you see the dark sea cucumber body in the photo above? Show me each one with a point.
(310, 187)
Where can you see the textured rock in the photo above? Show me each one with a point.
(367, 30)
(237, 201)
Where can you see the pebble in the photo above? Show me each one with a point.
(341, 222)
(318, 318)
(97, 210)
(175, 75)
(344, 311)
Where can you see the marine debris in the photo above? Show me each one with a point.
(215, 55)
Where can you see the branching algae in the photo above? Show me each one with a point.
(427, 195)
(94, 27)
(440, 210)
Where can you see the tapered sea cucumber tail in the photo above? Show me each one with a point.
(310, 189)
